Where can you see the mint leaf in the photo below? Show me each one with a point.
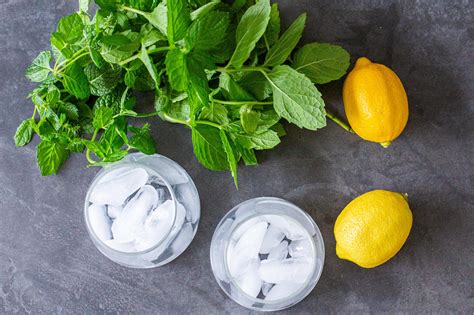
(198, 90)
(150, 35)
(102, 80)
(142, 139)
(249, 118)
(286, 43)
(261, 141)
(273, 29)
(118, 47)
(103, 117)
(322, 63)
(50, 156)
(159, 18)
(216, 113)
(150, 66)
(231, 158)
(177, 70)
(204, 9)
(208, 148)
(257, 85)
(266, 120)
(208, 31)
(251, 27)
(71, 28)
(75, 81)
(233, 90)
(296, 99)
(84, 5)
(248, 155)
(178, 20)
(69, 109)
(39, 69)
(24, 132)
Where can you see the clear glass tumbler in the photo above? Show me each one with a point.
(250, 222)
(174, 187)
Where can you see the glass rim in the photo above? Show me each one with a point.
(98, 176)
(306, 287)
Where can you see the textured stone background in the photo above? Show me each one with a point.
(49, 265)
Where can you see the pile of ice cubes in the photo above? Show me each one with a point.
(131, 210)
(270, 256)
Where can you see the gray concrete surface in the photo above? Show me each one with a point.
(48, 264)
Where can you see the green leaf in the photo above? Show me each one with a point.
(69, 109)
(208, 31)
(198, 89)
(204, 9)
(216, 113)
(39, 69)
(102, 80)
(75, 81)
(107, 4)
(249, 118)
(118, 47)
(282, 49)
(150, 35)
(251, 27)
(84, 5)
(231, 158)
(178, 20)
(273, 29)
(115, 156)
(208, 148)
(50, 156)
(233, 90)
(296, 99)
(142, 139)
(177, 70)
(322, 63)
(150, 66)
(257, 85)
(261, 141)
(267, 119)
(103, 117)
(159, 18)
(24, 132)
(248, 155)
(71, 28)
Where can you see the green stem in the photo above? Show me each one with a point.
(88, 152)
(147, 115)
(150, 51)
(338, 121)
(34, 113)
(123, 7)
(243, 69)
(75, 57)
(239, 103)
(174, 120)
(209, 123)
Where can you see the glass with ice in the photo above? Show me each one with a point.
(267, 254)
(142, 211)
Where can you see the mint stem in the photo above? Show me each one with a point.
(240, 103)
(243, 69)
(150, 51)
(338, 121)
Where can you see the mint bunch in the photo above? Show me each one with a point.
(226, 71)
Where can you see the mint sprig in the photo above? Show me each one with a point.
(222, 70)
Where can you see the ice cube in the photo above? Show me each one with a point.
(272, 238)
(166, 168)
(114, 211)
(115, 173)
(246, 248)
(279, 252)
(117, 186)
(295, 270)
(122, 247)
(243, 227)
(301, 248)
(127, 226)
(250, 282)
(188, 196)
(158, 225)
(266, 286)
(99, 221)
(292, 229)
(282, 290)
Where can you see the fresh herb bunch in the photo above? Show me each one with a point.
(226, 71)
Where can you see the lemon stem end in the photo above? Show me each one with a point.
(386, 144)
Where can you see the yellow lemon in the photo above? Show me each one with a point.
(372, 228)
(375, 102)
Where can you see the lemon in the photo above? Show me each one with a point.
(372, 228)
(375, 102)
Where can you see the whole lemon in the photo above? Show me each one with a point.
(372, 228)
(375, 102)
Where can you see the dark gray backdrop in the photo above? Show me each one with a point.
(49, 265)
